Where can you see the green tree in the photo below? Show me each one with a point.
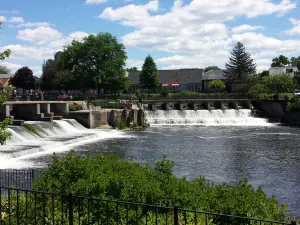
(217, 85)
(264, 73)
(256, 90)
(4, 70)
(295, 61)
(164, 91)
(4, 95)
(132, 69)
(149, 74)
(209, 68)
(280, 61)
(240, 63)
(23, 78)
(97, 61)
(64, 80)
(50, 69)
(282, 83)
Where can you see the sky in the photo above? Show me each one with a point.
(176, 33)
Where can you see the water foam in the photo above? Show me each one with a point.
(58, 136)
(229, 117)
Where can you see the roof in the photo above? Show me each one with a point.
(7, 76)
(189, 76)
(214, 75)
(3, 81)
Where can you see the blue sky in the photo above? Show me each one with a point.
(177, 33)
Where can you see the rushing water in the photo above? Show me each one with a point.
(223, 146)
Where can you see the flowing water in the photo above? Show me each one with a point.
(223, 146)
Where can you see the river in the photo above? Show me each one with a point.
(224, 147)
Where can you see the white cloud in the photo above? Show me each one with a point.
(134, 63)
(16, 20)
(31, 24)
(40, 35)
(2, 18)
(196, 32)
(296, 27)
(60, 43)
(94, 1)
(246, 27)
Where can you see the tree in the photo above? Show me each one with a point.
(282, 83)
(149, 74)
(49, 71)
(165, 91)
(64, 80)
(280, 61)
(132, 69)
(4, 94)
(23, 78)
(209, 68)
(97, 61)
(240, 63)
(264, 73)
(256, 90)
(4, 70)
(217, 85)
(295, 61)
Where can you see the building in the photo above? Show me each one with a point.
(193, 80)
(279, 70)
(4, 79)
(57, 56)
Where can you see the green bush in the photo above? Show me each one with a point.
(256, 90)
(164, 92)
(113, 178)
(31, 129)
(75, 107)
(217, 85)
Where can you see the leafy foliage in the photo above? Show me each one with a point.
(132, 69)
(64, 80)
(264, 73)
(97, 61)
(4, 134)
(165, 91)
(149, 74)
(23, 78)
(240, 63)
(209, 68)
(295, 61)
(280, 61)
(293, 104)
(113, 178)
(217, 85)
(4, 70)
(75, 107)
(281, 83)
(50, 69)
(256, 90)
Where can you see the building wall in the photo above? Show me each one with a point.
(280, 70)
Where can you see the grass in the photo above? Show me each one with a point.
(31, 129)
(75, 107)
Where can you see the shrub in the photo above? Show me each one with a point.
(217, 85)
(256, 90)
(75, 107)
(164, 92)
(113, 178)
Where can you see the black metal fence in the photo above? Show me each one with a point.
(19, 206)
(21, 179)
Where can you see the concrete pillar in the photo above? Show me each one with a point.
(247, 105)
(181, 107)
(152, 107)
(140, 118)
(45, 108)
(233, 105)
(112, 120)
(124, 116)
(207, 105)
(5, 111)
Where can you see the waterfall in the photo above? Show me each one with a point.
(228, 117)
(57, 136)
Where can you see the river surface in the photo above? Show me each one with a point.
(267, 155)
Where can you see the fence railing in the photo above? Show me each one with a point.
(19, 206)
(21, 179)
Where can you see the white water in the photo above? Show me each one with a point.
(58, 136)
(229, 117)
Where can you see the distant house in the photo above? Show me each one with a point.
(279, 70)
(4, 79)
(177, 80)
(193, 80)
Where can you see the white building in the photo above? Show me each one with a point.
(279, 70)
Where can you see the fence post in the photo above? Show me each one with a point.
(31, 181)
(176, 215)
(70, 200)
